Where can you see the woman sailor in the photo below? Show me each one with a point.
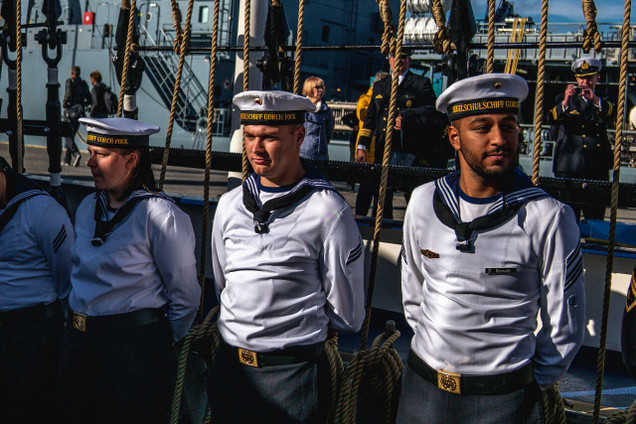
(134, 285)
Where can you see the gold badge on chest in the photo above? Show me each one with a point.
(409, 103)
(429, 254)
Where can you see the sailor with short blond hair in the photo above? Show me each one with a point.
(485, 252)
(288, 266)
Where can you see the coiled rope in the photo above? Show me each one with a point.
(299, 45)
(381, 365)
(620, 114)
(246, 74)
(591, 34)
(176, 24)
(185, 42)
(127, 52)
(490, 62)
(205, 339)
(538, 114)
(442, 41)
(18, 43)
(553, 410)
(388, 36)
(626, 416)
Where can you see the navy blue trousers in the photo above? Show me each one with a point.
(124, 376)
(29, 359)
(280, 394)
(423, 403)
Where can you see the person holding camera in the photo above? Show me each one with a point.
(579, 123)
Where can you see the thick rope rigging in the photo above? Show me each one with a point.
(246, 74)
(176, 24)
(185, 41)
(442, 41)
(205, 217)
(591, 34)
(625, 416)
(620, 114)
(490, 62)
(127, 52)
(388, 36)
(299, 45)
(18, 43)
(538, 114)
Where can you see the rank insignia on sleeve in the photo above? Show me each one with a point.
(354, 254)
(631, 294)
(430, 254)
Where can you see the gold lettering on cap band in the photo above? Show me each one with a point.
(106, 140)
(278, 118)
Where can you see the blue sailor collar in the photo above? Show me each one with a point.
(520, 191)
(22, 189)
(312, 180)
(104, 227)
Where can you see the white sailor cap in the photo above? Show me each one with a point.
(118, 132)
(273, 107)
(586, 66)
(483, 94)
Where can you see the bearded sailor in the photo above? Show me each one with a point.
(288, 267)
(485, 252)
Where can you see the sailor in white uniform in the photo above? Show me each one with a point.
(288, 267)
(35, 265)
(484, 252)
(134, 284)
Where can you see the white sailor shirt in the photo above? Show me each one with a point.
(147, 261)
(35, 263)
(476, 313)
(287, 286)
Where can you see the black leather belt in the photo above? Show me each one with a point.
(106, 323)
(30, 314)
(471, 384)
(290, 355)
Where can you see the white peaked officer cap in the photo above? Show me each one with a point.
(273, 107)
(483, 94)
(586, 66)
(118, 132)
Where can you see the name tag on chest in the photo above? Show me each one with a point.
(500, 271)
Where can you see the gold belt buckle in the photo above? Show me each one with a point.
(79, 322)
(449, 381)
(248, 357)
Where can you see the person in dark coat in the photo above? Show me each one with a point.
(580, 119)
(76, 97)
(319, 124)
(98, 103)
(415, 104)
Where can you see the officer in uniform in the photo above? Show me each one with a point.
(288, 268)
(134, 284)
(415, 106)
(580, 119)
(35, 241)
(484, 252)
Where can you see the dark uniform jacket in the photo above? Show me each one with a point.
(76, 93)
(420, 120)
(582, 148)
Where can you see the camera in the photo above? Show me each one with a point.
(577, 91)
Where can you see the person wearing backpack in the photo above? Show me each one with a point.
(76, 97)
(99, 106)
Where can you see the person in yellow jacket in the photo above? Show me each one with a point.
(366, 192)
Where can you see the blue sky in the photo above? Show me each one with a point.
(609, 11)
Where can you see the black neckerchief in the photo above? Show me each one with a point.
(311, 181)
(103, 228)
(19, 188)
(511, 199)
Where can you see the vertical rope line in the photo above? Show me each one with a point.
(299, 45)
(591, 34)
(543, 36)
(613, 211)
(384, 177)
(208, 152)
(18, 43)
(127, 52)
(490, 63)
(246, 73)
(185, 41)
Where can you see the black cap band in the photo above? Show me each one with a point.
(102, 140)
(482, 107)
(272, 118)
